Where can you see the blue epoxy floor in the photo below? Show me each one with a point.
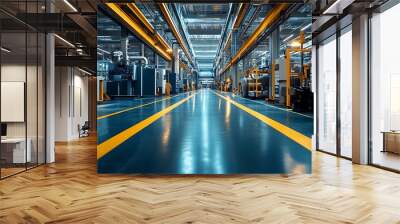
(111, 126)
(204, 135)
(299, 122)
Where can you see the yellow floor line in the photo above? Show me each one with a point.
(135, 107)
(116, 140)
(296, 136)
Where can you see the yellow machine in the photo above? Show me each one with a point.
(303, 73)
(227, 84)
(255, 83)
(255, 88)
(272, 81)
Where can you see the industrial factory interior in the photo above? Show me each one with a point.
(238, 121)
(280, 111)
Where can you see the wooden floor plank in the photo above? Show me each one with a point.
(70, 191)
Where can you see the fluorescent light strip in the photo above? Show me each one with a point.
(5, 50)
(205, 51)
(332, 6)
(308, 44)
(306, 26)
(86, 72)
(70, 5)
(64, 40)
(287, 38)
(104, 51)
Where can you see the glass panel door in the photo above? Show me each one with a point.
(32, 98)
(41, 110)
(346, 92)
(385, 89)
(327, 95)
(14, 153)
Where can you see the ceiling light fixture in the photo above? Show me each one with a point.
(70, 5)
(103, 51)
(64, 40)
(295, 44)
(287, 38)
(5, 50)
(84, 71)
(302, 29)
(338, 6)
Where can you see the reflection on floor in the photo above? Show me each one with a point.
(71, 191)
(386, 159)
(5, 172)
(202, 133)
(11, 169)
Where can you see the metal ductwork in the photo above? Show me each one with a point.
(146, 61)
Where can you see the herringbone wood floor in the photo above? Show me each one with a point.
(70, 191)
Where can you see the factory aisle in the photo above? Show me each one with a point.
(203, 132)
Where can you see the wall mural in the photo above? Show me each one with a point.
(182, 93)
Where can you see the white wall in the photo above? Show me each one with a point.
(12, 73)
(17, 73)
(71, 102)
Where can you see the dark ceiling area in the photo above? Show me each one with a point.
(202, 24)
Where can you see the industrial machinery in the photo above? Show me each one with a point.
(171, 77)
(298, 94)
(255, 84)
(133, 78)
(145, 83)
(302, 96)
(120, 80)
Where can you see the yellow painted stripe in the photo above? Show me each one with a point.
(290, 133)
(135, 107)
(118, 139)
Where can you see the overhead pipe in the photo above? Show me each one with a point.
(138, 13)
(268, 20)
(240, 16)
(146, 61)
(152, 40)
(223, 31)
(142, 18)
(167, 16)
(185, 37)
(251, 20)
(237, 21)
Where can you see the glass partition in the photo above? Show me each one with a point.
(385, 89)
(22, 90)
(327, 101)
(346, 94)
(13, 95)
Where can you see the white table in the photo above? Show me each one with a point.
(20, 155)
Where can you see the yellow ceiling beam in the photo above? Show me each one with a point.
(242, 12)
(138, 13)
(153, 39)
(268, 20)
(238, 20)
(171, 24)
